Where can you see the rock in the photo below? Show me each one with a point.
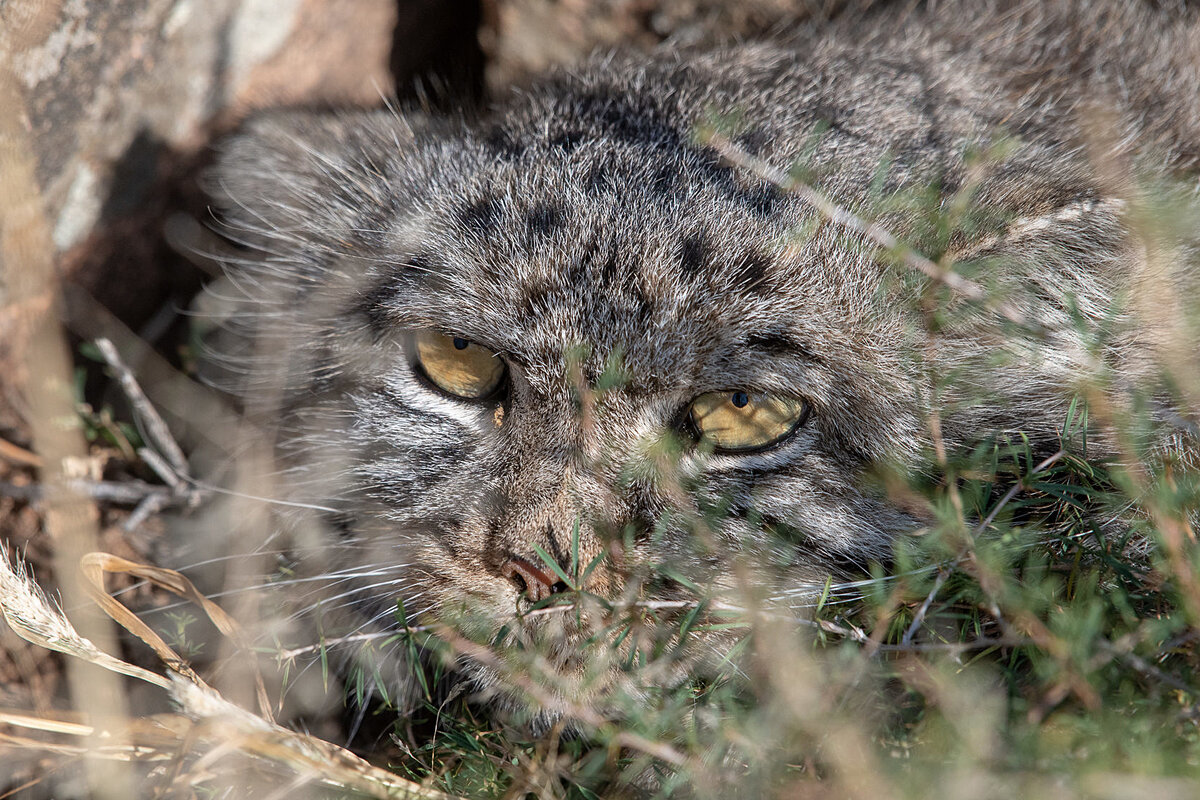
(123, 97)
(524, 37)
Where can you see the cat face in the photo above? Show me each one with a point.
(569, 340)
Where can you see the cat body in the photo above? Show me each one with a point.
(620, 268)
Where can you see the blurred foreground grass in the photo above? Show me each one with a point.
(1039, 638)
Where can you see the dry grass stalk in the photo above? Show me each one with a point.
(32, 617)
(43, 371)
(210, 726)
(96, 565)
(847, 219)
(18, 455)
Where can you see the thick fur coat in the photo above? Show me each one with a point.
(581, 229)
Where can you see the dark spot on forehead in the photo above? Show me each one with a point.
(646, 307)
(749, 273)
(760, 200)
(610, 270)
(833, 116)
(480, 216)
(631, 119)
(695, 253)
(602, 176)
(753, 141)
(502, 143)
(566, 141)
(545, 218)
(665, 178)
(712, 166)
(778, 343)
(580, 269)
(534, 298)
(372, 305)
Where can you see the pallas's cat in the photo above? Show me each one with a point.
(566, 343)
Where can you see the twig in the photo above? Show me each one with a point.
(852, 632)
(1146, 668)
(150, 506)
(156, 429)
(1121, 650)
(850, 221)
(1007, 640)
(18, 454)
(160, 467)
(171, 466)
(180, 491)
(919, 617)
(147, 498)
(168, 461)
(125, 493)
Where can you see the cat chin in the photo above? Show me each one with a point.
(539, 700)
(547, 668)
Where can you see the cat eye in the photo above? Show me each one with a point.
(739, 422)
(457, 366)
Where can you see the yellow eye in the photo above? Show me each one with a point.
(739, 421)
(458, 367)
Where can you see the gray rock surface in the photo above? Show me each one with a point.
(122, 98)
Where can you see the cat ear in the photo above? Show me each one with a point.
(295, 182)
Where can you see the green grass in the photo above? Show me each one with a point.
(1044, 655)
(1039, 638)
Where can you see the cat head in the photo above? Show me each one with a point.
(565, 345)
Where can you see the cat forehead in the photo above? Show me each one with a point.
(595, 218)
(537, 262)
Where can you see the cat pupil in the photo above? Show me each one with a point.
(460, 343)
(740, 399)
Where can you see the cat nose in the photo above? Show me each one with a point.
(531, 581)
